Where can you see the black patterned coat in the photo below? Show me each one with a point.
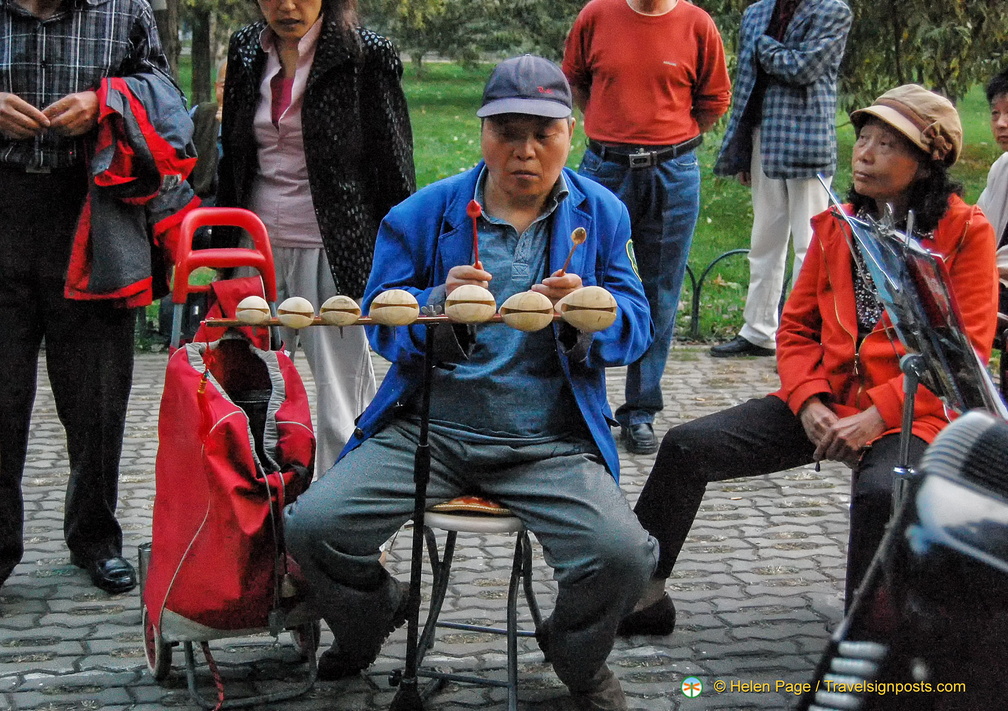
(357, 136)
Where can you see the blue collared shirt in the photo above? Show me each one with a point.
(512, 385)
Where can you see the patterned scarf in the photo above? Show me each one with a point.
(866, 301)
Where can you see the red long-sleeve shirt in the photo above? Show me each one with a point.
(817, 348)
(647, 77)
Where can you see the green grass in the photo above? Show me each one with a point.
(185, 75)
(979, 148)
(442, 108)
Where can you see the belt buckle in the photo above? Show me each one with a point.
(641, 160)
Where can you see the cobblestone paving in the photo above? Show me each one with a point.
(758, 586)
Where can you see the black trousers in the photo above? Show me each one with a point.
(759, 437)
(89, 359)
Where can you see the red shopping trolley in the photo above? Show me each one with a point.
(235, 446)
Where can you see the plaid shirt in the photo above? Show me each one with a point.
(798, 124)
(85, 41)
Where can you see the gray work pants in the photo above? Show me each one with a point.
(600, 555)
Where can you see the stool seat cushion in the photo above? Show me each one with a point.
(472, 514)
(471, 505)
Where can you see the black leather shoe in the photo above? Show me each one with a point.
(640, 438)
(113, 575)
(335, 663)
(739, 346)
(657, 619)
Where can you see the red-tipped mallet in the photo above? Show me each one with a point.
(474, 210)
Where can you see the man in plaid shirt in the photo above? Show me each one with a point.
(53, 55)
(781, 133)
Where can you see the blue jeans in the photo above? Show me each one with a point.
(664, 203)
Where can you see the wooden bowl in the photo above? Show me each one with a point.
(527, 311)
(470, 303)
(589, 309)
(395, 307)
(296, 312)
(253, 310)
(339, 310)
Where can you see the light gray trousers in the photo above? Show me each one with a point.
(339, 358)
(600, 555)
(782, 208)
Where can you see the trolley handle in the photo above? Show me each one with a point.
(260, 257)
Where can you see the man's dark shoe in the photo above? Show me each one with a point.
(640, 438)
(657, 619)
(335, 663)
(739, 346)
(113, 575)
(602, 693)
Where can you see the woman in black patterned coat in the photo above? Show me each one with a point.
(316, 140)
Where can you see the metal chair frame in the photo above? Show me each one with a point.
(521, 578)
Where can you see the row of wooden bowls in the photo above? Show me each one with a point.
(588, 309)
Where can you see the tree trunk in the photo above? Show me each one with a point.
(166, 14)
(202, 57)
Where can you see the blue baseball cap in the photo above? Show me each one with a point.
(527, 85)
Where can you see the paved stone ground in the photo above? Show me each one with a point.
(758, 586)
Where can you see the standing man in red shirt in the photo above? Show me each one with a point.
(650, 78)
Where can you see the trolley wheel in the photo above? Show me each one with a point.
(157, 651)
(306, 638)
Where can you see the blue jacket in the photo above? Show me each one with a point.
(429, 233)
(798, 127)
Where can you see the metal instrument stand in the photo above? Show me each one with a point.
(864, 658)
(408, 696)
(912, 365)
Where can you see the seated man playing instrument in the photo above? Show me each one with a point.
(521, 418)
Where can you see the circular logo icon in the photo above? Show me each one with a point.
(692, 687)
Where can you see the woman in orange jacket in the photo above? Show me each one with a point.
(841, 395)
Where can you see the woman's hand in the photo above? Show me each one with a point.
(840, 439)
(816, 419)
(466, 274)
(849, 435)
(558, 285)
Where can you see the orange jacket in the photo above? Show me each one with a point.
(817, 352)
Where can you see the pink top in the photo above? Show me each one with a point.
(280, 193)
(281, 88)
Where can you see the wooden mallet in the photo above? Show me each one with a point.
(578, 236)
